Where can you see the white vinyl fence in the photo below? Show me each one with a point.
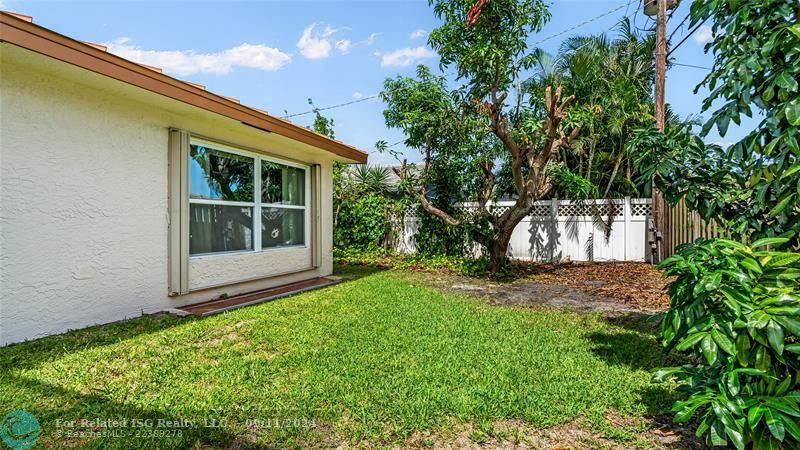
(559, 229)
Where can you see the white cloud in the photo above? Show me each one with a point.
(406, 56)
(416, 34)
(316, 45)
(359, 94)
(188, 62)
(344, 45)
(703, 34)
(371, 38)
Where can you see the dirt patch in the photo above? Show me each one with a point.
(637, 285)
(576, 435)
(585, 287)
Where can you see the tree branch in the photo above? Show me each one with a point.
(487, 167)
(422, 193)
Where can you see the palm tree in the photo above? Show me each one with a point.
(611, 79)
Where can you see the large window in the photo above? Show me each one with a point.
(226, 207)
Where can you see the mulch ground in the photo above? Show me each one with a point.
(637, 285)
(606, 287)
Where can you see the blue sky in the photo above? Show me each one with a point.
(274, 55)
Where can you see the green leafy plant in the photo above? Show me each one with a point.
(488, 119)
(753, 187)
(363, 223)
(737, 306)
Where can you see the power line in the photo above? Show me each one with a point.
(562, 32)
(363, 99)
(688, 35)
(678, 27)
(691, 65)
(585, 22)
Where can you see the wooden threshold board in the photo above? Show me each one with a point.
(210, 307)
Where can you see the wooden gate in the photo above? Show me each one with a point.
(683, 226)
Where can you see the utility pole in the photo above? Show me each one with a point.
(661, 61)
(660, 80)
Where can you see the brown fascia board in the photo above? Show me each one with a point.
(49, 43)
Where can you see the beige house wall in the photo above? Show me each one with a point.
(84, 207)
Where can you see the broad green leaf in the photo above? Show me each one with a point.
(709, 349)
(784, 259)
(784, 386)
(762, 440)
(775, 337)
(662, 375)
(774, 423)
(724, 342)
(749, 371)
(686, 412)
(733, 383)
(794, 169)
(779, 404)
(703, 426)
(717, 434)
(754, 415)
(769, 241)
(794, 348)
(795, 30)
(791, 425)
(762, 359)
(781, 206)
(742, 349)
(751, 265)
(791, 325)
(792, 112)
(690, 341)
(722, 124)
(785, 81)
(736, 437)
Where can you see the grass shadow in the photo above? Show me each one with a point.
(351, 272)
(638, 322)
(93, 420)
(633, 342)
(31, 354)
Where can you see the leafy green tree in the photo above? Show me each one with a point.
(489, 118)
(735, 305)
(751, 188)
(362, 198)
(611, 78)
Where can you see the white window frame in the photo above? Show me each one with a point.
(257, 204)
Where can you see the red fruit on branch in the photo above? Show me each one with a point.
(475, 12)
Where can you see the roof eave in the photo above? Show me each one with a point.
(49, 43)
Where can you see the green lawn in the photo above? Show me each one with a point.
(368, 361)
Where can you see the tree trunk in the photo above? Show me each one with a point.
(505, 228)
(499, 251)
(613, 176)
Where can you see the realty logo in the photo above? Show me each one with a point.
(20, 430)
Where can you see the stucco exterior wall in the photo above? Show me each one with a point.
(84, 201)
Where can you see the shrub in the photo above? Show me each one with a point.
(472, 267)
(362, 223)
(738, 307)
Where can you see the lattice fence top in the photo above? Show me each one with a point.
(575, 210)
(541, 210)
(499, 210)
(641, 209)
(544, 208)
